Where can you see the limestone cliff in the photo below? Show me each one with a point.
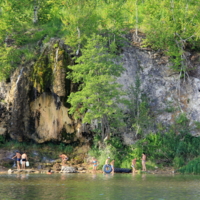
(33, 103)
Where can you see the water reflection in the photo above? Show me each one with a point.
(63, 176)
(22, 176)
(143, 177)
(94, 175)
(99, 186)
(108, 176)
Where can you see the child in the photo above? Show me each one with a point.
(144, 158)
(49, 171)
(107, 161)
(94, 161)
(134, 165)
(112, 165)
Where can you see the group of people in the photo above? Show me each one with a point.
(21, 157)
(64, 158)
(24, 158)
(95, 163)
(144, 157)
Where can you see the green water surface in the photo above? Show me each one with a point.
(99, 186)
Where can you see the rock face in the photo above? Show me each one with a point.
(67, 169)
(33, 104)
(4, 112)
(168, 95)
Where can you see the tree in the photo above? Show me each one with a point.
(98, 93)
(173, 26)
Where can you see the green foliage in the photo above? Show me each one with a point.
(178, 162)
(169, 107)
(193, 167)
(2, 139)
(16, 145)
(139, 115)
(168, 148)
(171, 26)
(181, 124)
(113, 149)
(65, 148)
(197, 124)
(96, 71)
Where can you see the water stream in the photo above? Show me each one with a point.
(56, 60)
(99, 187)
(19, 76)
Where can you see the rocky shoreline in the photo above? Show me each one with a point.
(79, 169)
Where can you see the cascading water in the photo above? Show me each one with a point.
(55, 122)
(14, 164)
(56, 60)
(17, 86)
(19, 77)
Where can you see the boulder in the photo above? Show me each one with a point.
(10, 171)
(7, 162)
(67, 169)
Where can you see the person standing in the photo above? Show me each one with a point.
(107, 165)
(112, 163)
(107, 161)
(64, 158)
(134, 165)
(18, 155)
(144, 158)
(94, 161)
(24, 159)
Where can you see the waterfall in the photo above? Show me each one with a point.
(19, 77)
(55, 122)
(17, 82)
(56, 60)
(14, 164)
(58, 103)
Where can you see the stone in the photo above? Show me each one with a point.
(42, 116)
(3, 131)
(10, 171)
(67, 169)
(81, 168)
(7, 162)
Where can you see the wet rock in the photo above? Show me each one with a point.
(56, 167)
(7, 162)
(67, 169)
(30, 112)
(10, 171)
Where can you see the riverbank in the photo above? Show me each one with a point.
(44, 158)
(81, 168)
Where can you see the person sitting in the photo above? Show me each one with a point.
(49, 171)
(64, 158)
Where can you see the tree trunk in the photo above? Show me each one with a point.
(105, 128)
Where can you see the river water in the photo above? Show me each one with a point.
(99, 187)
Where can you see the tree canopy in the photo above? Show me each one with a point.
(96, 71)
(93, 30)
(170, 25)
